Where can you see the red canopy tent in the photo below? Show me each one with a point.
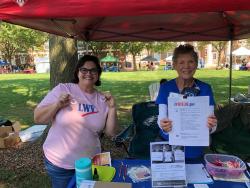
(133, 20)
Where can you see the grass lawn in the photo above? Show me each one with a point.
(20, 93)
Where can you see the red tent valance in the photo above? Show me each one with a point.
(133, 20)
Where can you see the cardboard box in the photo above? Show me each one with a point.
(101, 184)
(9, 135)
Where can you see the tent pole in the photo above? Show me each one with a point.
(230, 71)
(231, 32)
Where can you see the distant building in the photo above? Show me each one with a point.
(42, 64)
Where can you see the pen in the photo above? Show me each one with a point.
(125, 172)
(120, 170)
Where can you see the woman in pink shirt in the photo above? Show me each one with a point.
(79, 114)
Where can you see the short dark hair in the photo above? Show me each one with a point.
(82, 61)
(185, 49)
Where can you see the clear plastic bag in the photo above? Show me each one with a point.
(139, 173)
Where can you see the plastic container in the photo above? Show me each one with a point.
(83, 169)
(223, 171)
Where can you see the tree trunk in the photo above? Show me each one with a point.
(219, 58)
(134, 63)
(122, 61)
(63, 59)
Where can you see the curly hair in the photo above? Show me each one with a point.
(185, 49)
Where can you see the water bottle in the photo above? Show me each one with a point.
(83, 169)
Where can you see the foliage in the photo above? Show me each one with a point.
(202, 44)
(163, 46)
(95, 48)
(149, 47)
(133, 48)
(220, 47)
(16, 39)
(100, 49)
(248, 42)
(158, 47)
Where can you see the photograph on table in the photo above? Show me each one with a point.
(102, 159)
(179, 154)
(165, 153)
(167, 165)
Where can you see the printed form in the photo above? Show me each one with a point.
(189, 118)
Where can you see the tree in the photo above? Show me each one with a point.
(159, 46)
(163, 46)
(220, 48)
(248, 43)
(63, 59)
(16, 39)
(132, 47)
(149, 47)
(96, 48)
(201, 45)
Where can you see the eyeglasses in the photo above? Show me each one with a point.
(91, 71)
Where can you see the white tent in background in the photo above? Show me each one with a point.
(42, 64)
(242, 51)
(169, 58)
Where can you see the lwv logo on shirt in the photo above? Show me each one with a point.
(88, 109)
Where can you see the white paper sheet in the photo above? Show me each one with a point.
(87, 184)
(201, 186)
(197, 174)
(189, 118)
(32, 133)
(247, 184)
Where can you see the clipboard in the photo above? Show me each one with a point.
(197, 174)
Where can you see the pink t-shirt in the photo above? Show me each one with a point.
(75, 130)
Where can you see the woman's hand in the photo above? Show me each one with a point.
(166, 124)
(109, 100)
(45, 114)
(64, 100)
(112, 121)
(211, 121)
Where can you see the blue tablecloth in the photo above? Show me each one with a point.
(147, 184)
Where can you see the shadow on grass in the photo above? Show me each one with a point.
(23, 179)
(221, 87)
(19, 98)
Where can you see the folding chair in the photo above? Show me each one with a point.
(153, 90)
(141, 132)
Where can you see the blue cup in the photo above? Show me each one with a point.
(83, 169)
